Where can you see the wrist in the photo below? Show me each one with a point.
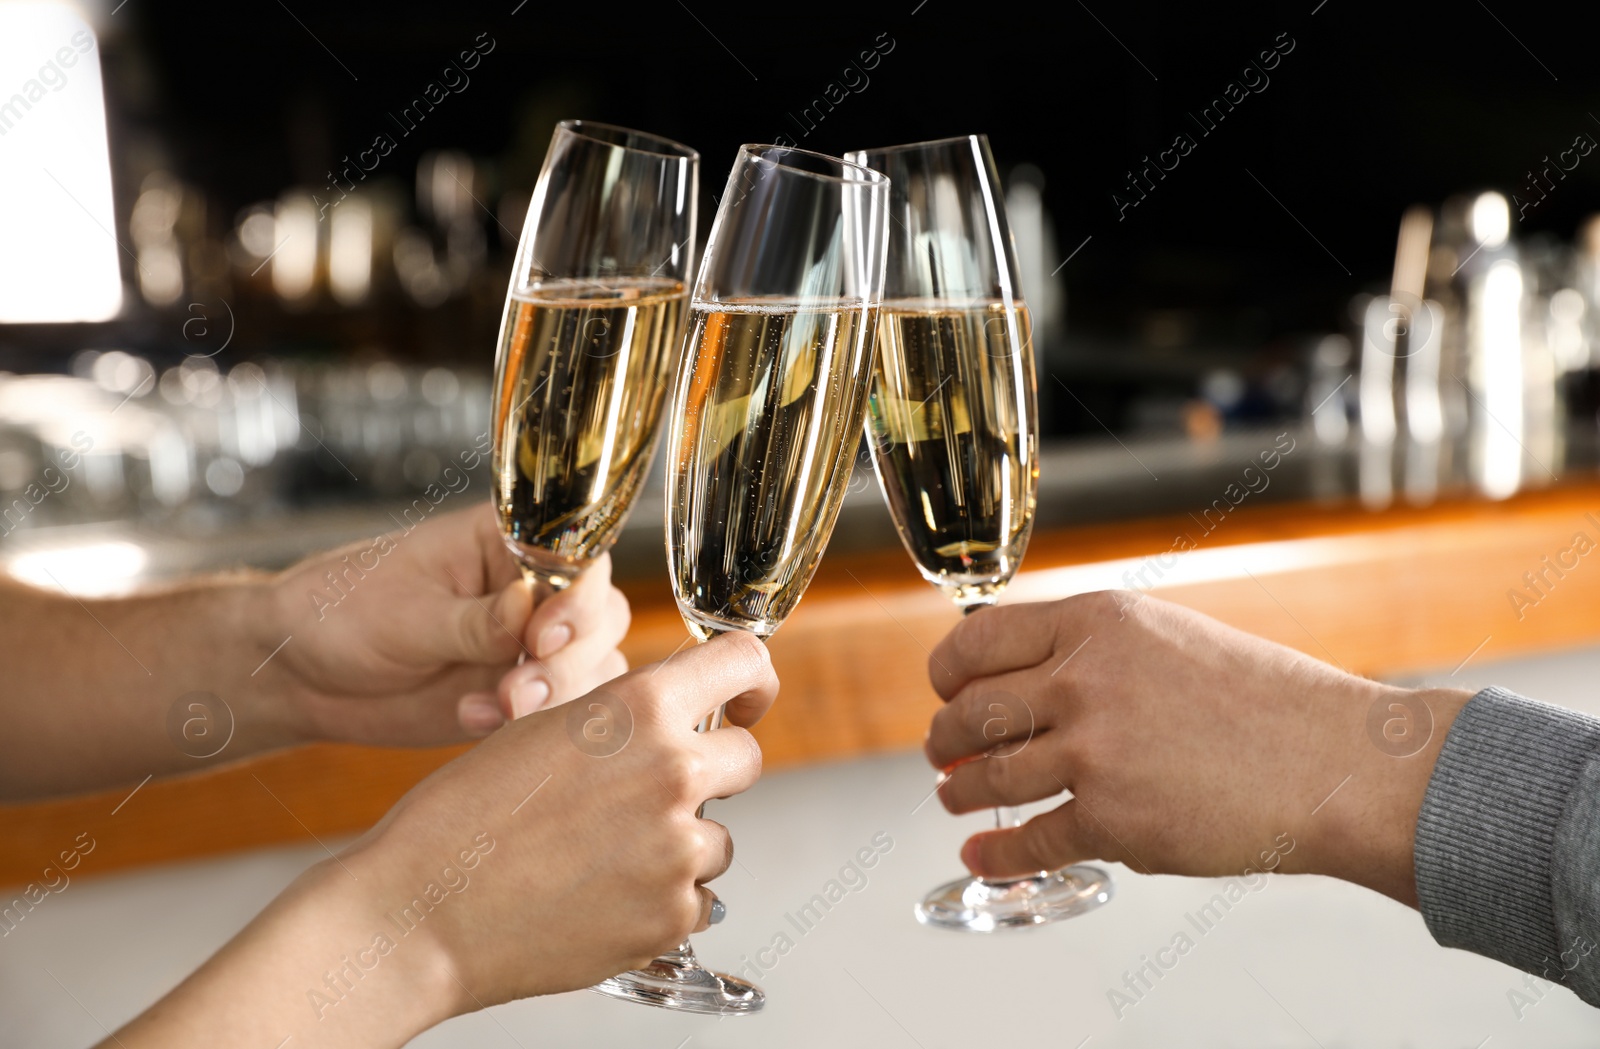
(211, 639)
(276, 626)
(377, 981)
(249, 611)
(1394, 738)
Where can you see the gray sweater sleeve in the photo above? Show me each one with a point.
(1508, 840)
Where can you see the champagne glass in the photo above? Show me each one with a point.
(598, 297)
(953, 427)
(767, 414)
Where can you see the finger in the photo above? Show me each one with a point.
(734, 669)
(427, 714)
(710, 907)
(479, 713)
(486, 629)
(746, 710)
(576, 668)
(573, 672)
(1007, 778)
(468, 543)
(524, 689)
(732, 763)
(499, 567)
(604, 629)
(588, 670)
(993, 641)
(1049, 841)
(614, 666)
(590, 605)
(718, 851)
(991, 714)
(581, 669)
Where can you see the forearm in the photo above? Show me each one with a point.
(103, 692)
(322, 966)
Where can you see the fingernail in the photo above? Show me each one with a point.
(529, 697)
(719, 911)
(481, 715)
(552, 640)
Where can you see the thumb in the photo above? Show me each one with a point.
(1047, 842)
(488, 627)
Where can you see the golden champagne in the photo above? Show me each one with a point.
(954, 439)
(582, 374)
(772, 397)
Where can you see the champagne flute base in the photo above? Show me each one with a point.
(980, 905)
(678, 981)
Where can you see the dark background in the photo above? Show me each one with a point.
(1376, 107)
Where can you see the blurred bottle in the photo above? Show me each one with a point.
(1464, 361)
(1575, 332)
(1034, 232)
(1514, 418)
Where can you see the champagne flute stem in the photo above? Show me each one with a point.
(542, 590)
(711, 721)
(1005, 816)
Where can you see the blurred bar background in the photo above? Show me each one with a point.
(274, 287)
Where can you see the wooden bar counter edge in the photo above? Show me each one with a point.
(1378, 592)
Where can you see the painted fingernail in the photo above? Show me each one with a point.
(719, 911)
(480, 715)
(552, 640)
(529, 697)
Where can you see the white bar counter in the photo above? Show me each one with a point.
(1298, 962)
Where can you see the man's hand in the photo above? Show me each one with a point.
(1189, 747)
(411, 638)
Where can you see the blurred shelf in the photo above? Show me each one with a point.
(1082, 481)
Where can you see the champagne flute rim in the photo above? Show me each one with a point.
(906, 146)
(858, 174)
(782, 303)
(933, 303)
(671, 148)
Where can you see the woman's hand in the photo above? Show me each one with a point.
(600, 858)
(1189, 747)
(562, 850)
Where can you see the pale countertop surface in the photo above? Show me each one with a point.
(1301, 962)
